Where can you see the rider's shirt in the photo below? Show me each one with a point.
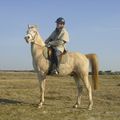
(58, 39)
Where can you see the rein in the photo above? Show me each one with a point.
(38, 44)
(34, 40)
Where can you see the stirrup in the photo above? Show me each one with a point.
(54, 72)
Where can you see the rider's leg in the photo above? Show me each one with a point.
(56, 54)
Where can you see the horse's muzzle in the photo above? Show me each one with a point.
(27, 38)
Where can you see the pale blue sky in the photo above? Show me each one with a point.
(93, 25)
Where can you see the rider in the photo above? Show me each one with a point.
(57, 41)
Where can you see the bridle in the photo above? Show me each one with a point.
(33, 39)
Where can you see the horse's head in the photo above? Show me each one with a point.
(31, 34)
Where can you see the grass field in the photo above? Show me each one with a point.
(19, 95)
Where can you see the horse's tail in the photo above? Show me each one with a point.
(94, 64)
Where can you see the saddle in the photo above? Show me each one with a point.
(47, 53)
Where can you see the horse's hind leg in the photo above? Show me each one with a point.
(79, 88)
(89, 89)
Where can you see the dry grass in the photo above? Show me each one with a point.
(19, 95)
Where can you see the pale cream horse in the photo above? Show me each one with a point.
(77, 64)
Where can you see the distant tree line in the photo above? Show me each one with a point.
(109, 72)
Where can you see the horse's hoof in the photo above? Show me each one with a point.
(90, 108)
(75, 106)
(40, 105)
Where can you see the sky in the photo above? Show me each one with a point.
(93, 26)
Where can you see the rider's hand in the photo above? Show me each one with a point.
(48, 45)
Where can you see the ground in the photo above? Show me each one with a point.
(19, 95)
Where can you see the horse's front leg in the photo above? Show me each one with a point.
(42, 92)
(42, 89)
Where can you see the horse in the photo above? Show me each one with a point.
(77, 66)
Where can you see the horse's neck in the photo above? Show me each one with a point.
(37, 47)
(39, 40)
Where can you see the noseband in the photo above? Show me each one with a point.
(33, 38)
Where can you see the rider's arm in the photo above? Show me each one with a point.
(57, 42)
(49, 38)
(62, 39)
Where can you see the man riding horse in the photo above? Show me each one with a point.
(77, 64)
(57, 41)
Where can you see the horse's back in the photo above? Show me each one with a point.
(81, 62)
(75, 62)
(78, 57)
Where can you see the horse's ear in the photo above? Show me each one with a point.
(28, 26)
(36, 26)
